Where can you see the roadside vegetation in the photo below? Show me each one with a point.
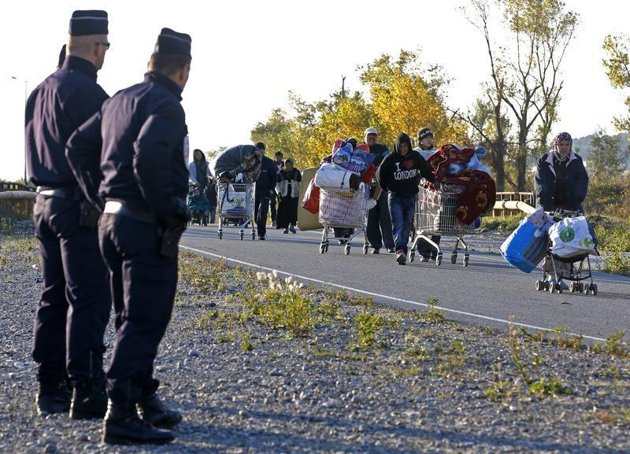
(253, 309)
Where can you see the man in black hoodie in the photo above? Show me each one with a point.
(399, 175)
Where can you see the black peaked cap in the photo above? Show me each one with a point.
(88, 22)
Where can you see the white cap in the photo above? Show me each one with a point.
(370, 131)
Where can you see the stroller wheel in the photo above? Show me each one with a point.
(593, 289)
(540, 285)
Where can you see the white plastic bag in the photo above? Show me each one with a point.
(571, 237)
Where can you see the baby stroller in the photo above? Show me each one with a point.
(572, 242)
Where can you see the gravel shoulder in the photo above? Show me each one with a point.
(266, 366)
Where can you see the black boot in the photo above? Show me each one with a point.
(153, 411)
(123, 427)
(89, 400)
(53, 398)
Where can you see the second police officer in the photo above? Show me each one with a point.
(145, 181)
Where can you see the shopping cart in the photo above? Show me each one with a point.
(435, 216)
(574, 268)
(236, 205)
(347, 209)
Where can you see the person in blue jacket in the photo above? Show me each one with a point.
(399, 175)
(144, 186)
(561, 178)
(265, 189)
(73, 311)
(198, 205)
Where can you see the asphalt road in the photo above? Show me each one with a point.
(487, 292)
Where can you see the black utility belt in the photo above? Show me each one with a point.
(119, 207)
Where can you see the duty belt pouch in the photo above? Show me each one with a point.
(170, 240)
(89, 215)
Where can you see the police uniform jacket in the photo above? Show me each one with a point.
(143, 161)
(59, 105)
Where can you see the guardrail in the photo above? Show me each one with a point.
(17, 204)
(511, 202)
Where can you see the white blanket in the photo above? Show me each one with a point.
(333, 178)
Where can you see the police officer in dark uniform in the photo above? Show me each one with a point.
(265, 187)
(145, 182)
(74, 307)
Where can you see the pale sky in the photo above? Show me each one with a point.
(248, 54)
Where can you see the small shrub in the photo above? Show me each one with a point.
(367, 327)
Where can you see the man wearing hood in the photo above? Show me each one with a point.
(399, 175)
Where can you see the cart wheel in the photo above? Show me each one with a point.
(220, 233)
(365, 248)
(466, 259)
(454, 258)
(322, 248)
(346, 249)
(242, 235)
(412, 255)
(540, 285)
(438, 259)
(593, 289)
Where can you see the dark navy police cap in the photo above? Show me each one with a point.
(171, 42)
(88, 22)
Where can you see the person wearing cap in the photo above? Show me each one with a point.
(73, 310)
(426, 148)
(379, 224)
(265, 188)
(143, 154)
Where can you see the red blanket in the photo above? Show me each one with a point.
(479, 196)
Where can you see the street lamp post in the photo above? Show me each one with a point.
(25, 100)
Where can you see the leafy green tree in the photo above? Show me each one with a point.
(618, 70)
(405, 98)
(607, 158)
(525, 83)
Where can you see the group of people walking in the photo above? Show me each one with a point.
(277, 185)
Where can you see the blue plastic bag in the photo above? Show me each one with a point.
(525, 247)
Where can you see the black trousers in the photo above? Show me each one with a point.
(74, 308)
(379, 225)
(287, 212)
(261, 209)
(273, 200)
(143, 284)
